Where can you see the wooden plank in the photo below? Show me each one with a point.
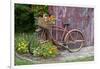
(79, 18)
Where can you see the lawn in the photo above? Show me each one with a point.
(19, 61)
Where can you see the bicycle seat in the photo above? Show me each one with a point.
(66, 24)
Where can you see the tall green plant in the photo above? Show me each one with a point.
(24, 18)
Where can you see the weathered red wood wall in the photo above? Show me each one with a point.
(78, 17)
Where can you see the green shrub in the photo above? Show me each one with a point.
(46, 50)
(22, 46)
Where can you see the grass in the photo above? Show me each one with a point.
(85, 58)
(19, 61)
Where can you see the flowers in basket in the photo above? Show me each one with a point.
(52, 19)
(46, 20)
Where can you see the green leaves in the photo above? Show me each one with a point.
(22, 46)
(24, 18)
(39, 10)
(46, 50)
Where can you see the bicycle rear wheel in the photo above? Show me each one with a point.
(74, 40)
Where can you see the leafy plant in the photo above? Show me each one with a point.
(46, 50)
(34, 43)
(22, 46)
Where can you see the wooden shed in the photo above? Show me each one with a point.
(79, 18)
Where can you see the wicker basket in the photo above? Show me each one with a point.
(44, 23)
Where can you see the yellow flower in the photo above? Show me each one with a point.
(50, 51)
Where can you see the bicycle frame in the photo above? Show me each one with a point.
(58, 28)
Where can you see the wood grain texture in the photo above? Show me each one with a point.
(78, 18)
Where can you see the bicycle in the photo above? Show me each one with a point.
(73, 39)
